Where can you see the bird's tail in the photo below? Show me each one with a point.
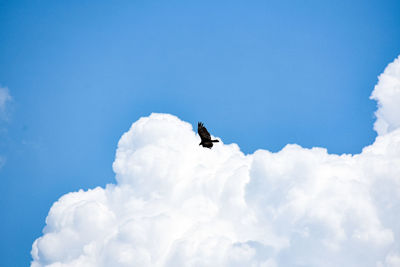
(215, 140)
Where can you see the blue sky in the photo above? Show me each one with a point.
(260, 74)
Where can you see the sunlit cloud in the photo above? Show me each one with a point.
(178, 204)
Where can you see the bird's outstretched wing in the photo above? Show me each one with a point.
(204, 134)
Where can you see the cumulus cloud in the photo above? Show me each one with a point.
(387, 94)
(177, 204)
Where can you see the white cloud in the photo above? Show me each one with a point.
(178, 204)
(4, 98)
(387, 94)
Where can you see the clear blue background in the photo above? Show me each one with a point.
(258, 73)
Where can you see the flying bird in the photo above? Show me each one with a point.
(205, 136)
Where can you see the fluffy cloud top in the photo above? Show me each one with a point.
(178, 204)
(387, 93)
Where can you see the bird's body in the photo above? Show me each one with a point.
(205, 136)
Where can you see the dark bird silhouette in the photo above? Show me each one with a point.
(205, 136)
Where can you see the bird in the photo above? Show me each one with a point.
(205, 136)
